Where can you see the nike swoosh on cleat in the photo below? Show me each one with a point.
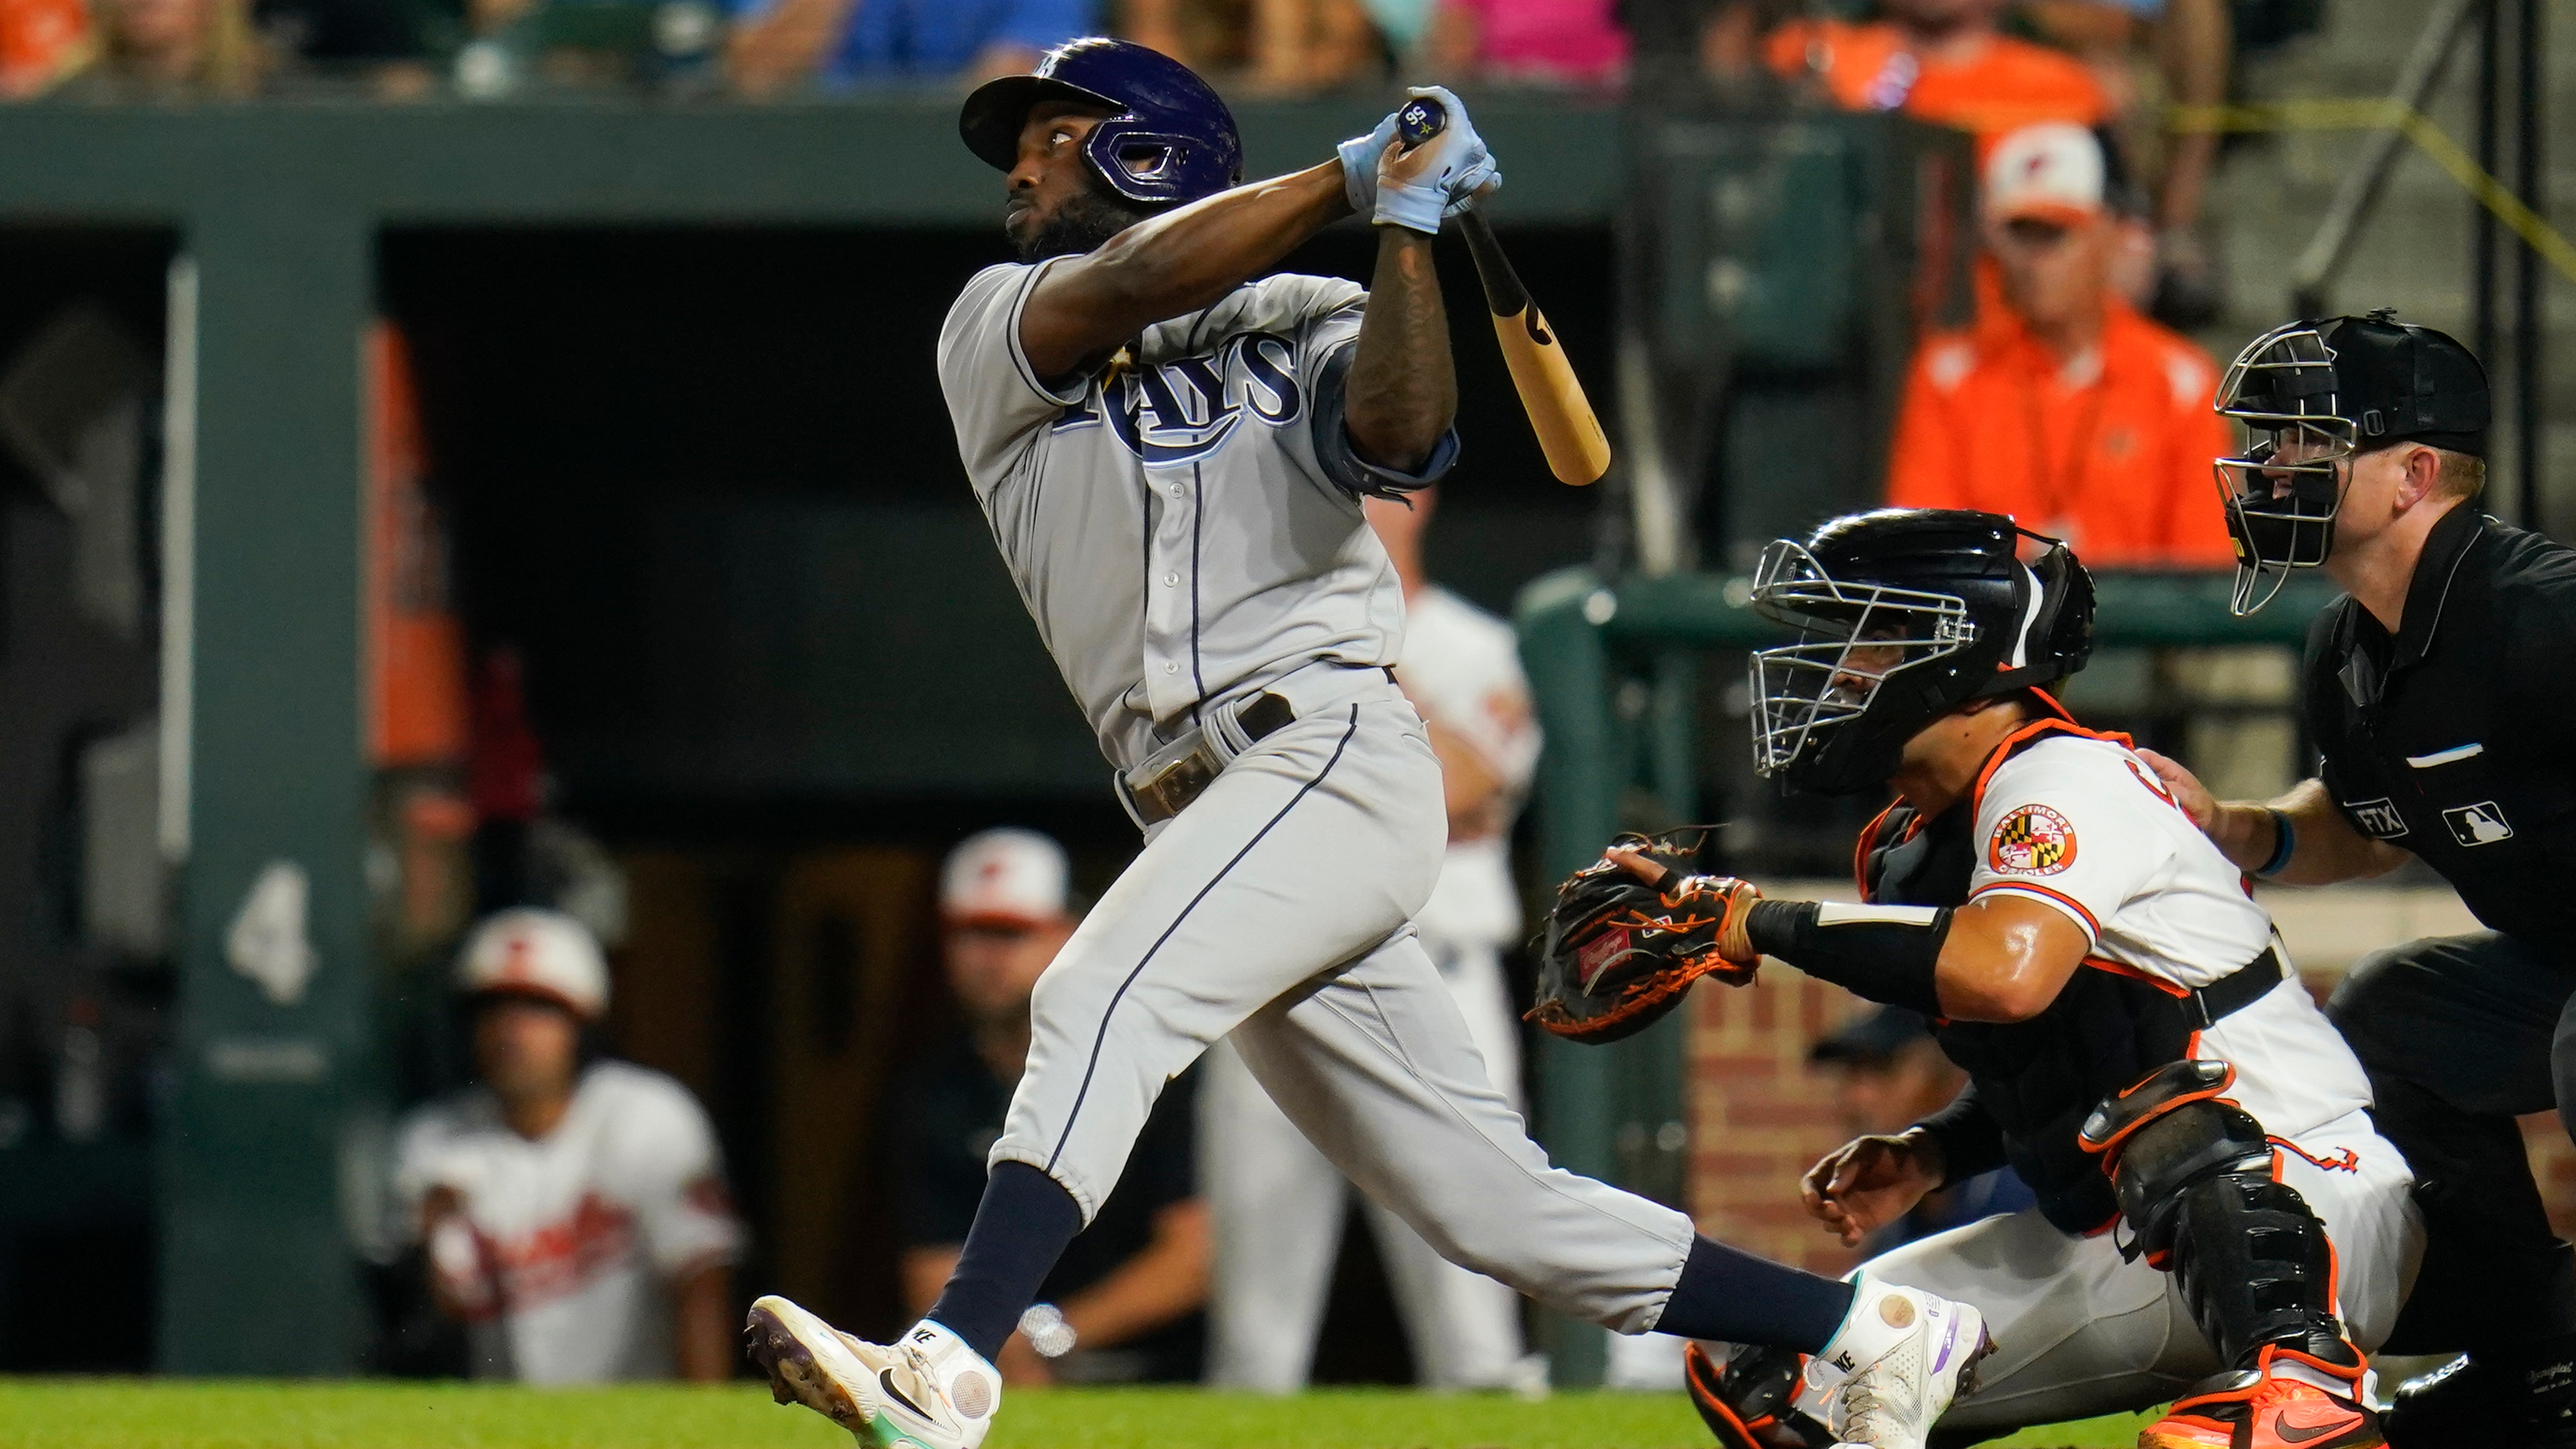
(2297, 1435)
(885, 1381)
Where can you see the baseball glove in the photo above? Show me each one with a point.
(1617, 953)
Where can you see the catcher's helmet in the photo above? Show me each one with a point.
(1168, 139)
(1905, 614)
(2308, 395)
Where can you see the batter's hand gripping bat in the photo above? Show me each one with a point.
(1568, 431)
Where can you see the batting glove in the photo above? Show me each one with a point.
(1360, 156)
(1441, 177)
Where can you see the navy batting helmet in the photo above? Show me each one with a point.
(1168, 139)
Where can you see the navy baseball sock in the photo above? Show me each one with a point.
(1734, 1297)
(1021, 1227)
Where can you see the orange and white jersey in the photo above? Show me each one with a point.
(566, 1247)
(2081, 824)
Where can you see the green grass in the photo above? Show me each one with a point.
(180, 1414)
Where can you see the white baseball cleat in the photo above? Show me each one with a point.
(929, 1390)
(1896, 1364)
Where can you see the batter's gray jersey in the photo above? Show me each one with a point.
(1185, 530)
(1170, 524)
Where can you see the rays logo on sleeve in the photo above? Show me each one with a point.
(2033, 840)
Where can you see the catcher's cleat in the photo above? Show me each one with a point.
(930, 1390)
(1751, 1402)
(2265, 1409)
(2474, 1402)
(1896, 1365)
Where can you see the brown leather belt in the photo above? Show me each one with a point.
(1179, 772)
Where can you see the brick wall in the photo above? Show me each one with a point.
(1760, 1117)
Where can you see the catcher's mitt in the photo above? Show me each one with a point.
(1617, 953)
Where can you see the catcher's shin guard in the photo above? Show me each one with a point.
(1751, 1402)
(2193, 1173)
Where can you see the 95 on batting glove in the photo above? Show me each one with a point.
(1617, 952)
(1441, 174)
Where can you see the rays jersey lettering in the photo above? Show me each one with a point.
(1167, 520)
(1184, 410)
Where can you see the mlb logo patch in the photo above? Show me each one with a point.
(1596, 955)
(2479, 824)
(2376, 817)
(2033, 840)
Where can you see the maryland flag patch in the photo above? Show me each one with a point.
(2033, 840)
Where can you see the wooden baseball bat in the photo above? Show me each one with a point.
(1569, 432)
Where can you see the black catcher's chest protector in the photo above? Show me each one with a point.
(2042, 1077)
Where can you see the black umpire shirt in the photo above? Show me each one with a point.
(2456, 740)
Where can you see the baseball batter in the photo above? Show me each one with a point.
(1172, 456)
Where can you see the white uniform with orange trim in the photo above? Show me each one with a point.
(2081, 824)
(566, 1248)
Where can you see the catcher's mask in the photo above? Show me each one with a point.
(2307, 397)
(1904, 615)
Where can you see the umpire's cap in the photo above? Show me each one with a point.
(1168, 138)
(2393, 382)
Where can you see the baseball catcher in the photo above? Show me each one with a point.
(2217, 1216)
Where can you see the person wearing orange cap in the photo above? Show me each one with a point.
(574, 1212)
(1941, 61)
(2063, 407)
(1123, 1302)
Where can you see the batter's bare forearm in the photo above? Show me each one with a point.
(1402, 390)
(1171, 264)
(2326, 848)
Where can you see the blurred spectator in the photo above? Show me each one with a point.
(1943, 61)
(1313, 45)
(2149, 54)
(41, 41)
(778, 45)
(1888, 1075)
(158, 48)
(1131, 1286)
(1545, 42)
(574, 1209)
(1280, 1205)
(2062, 406)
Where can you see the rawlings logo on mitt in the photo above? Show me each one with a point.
(1625, 941)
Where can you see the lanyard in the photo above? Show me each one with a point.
(2054, 502)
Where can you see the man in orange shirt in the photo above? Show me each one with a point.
(2063, 407)
(1944, 62)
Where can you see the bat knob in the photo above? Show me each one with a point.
(1418, 120)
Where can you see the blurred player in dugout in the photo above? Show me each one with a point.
(1123, 1302)
(2063, 407)
(574, 1208)
(1279, 1204)
(1888, 1074)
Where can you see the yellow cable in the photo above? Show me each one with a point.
(2384, 115)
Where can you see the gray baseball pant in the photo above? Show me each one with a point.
(1275, 911)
